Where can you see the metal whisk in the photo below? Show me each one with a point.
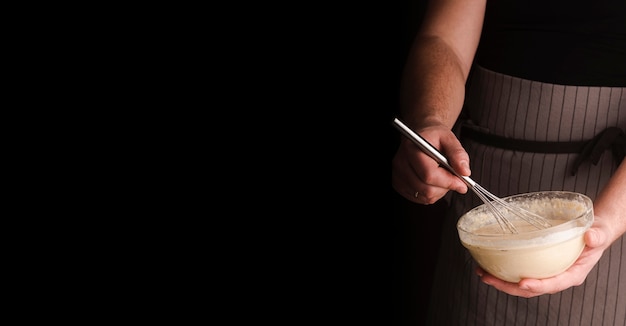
(498, 207)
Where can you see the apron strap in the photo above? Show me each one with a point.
(612, 138)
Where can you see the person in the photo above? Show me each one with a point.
(523, 96)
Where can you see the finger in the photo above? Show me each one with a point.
(430, 196)
(438, 177)
(458, 159)
(599, 234)
(415, 172)
(413, 189)
(529, 288)
(593, 238)
(456, 154)
(516, 289)
(507, 287)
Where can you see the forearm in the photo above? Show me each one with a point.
(610, 205)
(433, 84)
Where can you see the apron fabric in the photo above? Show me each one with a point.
(516, 108)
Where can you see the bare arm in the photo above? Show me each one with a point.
(432, 95)
(433, 85)
(610, 206)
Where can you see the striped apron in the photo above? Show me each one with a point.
(511, 107)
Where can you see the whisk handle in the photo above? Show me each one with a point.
(430, 150)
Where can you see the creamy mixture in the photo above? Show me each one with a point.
(533, 262)
(531, 253)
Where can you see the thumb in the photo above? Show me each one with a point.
(595, 237)
(459, 160)
(456, 154)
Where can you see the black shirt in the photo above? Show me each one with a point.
(570, 42)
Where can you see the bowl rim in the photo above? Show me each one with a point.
(535, 234)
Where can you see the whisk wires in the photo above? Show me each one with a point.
(500, 209)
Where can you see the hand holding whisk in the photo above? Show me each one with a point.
(498, 207)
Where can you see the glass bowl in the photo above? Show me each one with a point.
(532, 252)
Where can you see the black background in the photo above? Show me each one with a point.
(415, 227)
(381, 247)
